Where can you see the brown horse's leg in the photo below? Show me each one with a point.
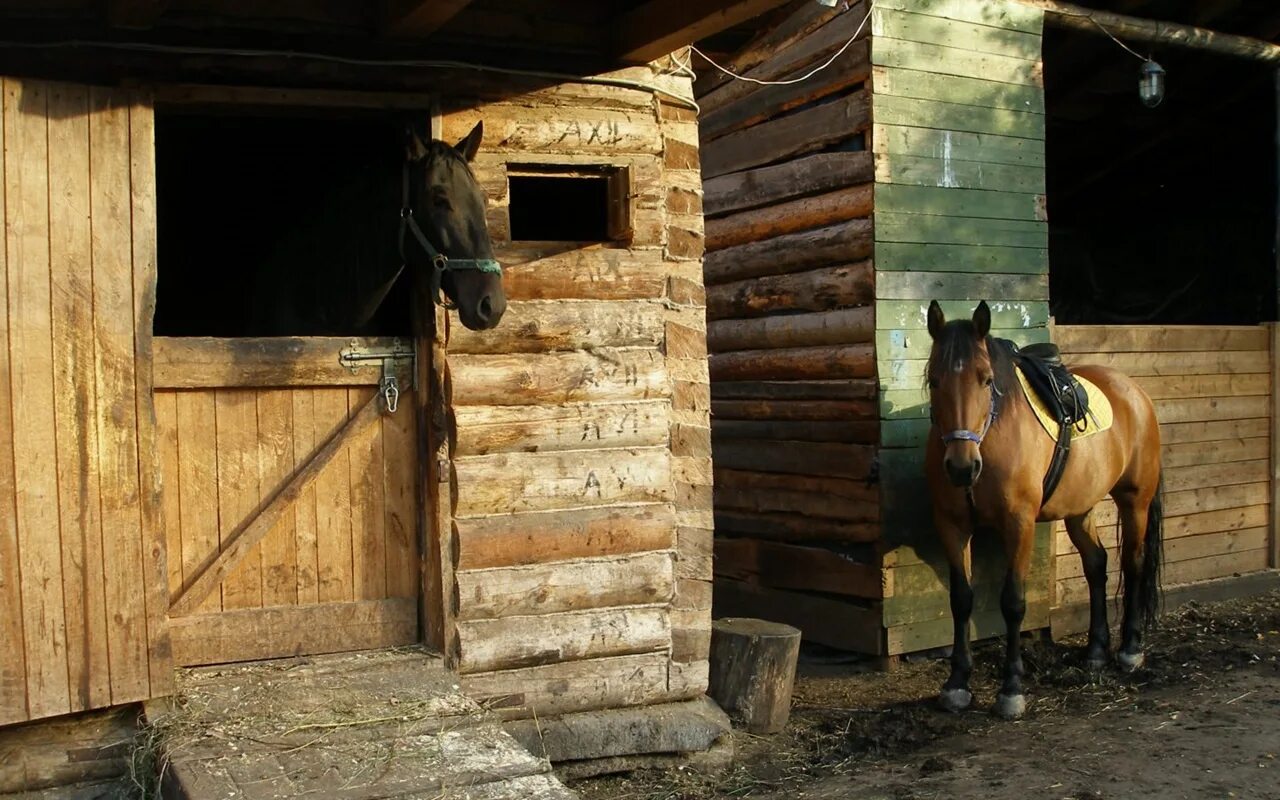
(1141, 516)
(1094, 558)
(1018, 540)
(955, 694)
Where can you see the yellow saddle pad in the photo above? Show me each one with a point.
(1099, 417)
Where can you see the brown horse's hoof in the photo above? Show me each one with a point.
(955, 700)
(1010, 706)
(1130, 661)
(1096, 665)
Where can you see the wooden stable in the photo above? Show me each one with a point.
(913, 168)
(538, 510)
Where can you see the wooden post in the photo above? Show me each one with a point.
(753, 667)
(1275, 444)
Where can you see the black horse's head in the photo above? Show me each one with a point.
(449, 208)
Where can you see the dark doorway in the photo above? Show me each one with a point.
(1159, 215)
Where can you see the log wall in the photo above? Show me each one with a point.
(1213, 390)
(575, 507)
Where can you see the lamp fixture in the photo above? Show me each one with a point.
(1151, 83)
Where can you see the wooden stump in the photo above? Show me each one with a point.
(753, 666)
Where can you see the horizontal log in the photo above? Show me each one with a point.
(643, 579)
(849, 389)
(538, 327)
(858, 490)
(600, 683)
(777, 183)
(830, 621)
(801, 132)
(1160, 338)
(801, 503)
(576, 272)
(793, 44)
(514, 642)
(790, 566)
(798, 410)
(843, 326)
(537, 538)
(801, 214)
(197, 362)
(792, 252)
(510, 128)
(854, 432)
(828, 459)
(851, 68)
(579, 426)
(795, 363)
(793, 528)
(816, 290)
(536, 378)
(516, 482)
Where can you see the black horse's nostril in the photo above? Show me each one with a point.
(485, 308)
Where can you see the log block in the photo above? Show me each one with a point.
(753, 667)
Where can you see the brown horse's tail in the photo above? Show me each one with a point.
(1152, 559)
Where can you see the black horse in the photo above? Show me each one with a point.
(426, 229)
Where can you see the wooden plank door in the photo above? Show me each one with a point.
(82, 562)
(290, 502)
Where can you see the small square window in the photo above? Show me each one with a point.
(569, 203)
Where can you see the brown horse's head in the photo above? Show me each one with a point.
(449, 208)
(964, 389)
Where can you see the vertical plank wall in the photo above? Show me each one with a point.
(1212, 387)
(578, 519)
(82, 561)
(788, 195)
(958, 103)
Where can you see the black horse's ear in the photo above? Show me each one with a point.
(470, 145)
(936, 319)
(414, 148)
(982, 319)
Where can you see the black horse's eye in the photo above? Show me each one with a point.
(440, 202)
(933, 383)
(988, 381)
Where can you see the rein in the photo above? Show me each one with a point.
(440, 263)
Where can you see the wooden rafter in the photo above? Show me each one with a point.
(135, 13)
(1069, 15)
(659, 27)
(419, 18)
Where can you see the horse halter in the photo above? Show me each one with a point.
(440, 263)
(967, 435)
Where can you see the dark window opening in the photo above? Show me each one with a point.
(573, 205)
(1161, 215)
(274, 223)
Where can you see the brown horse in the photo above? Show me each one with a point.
(985, 459)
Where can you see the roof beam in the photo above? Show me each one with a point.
(1087, 20)
(659, 27)
(134, 13)
(418, 19)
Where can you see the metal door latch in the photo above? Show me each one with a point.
(392, 359)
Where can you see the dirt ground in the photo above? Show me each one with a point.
(1200, 720)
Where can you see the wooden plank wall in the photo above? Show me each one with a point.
(82, 562)
(578, 528)
(1212, 387)
(339, 571)
(958, 103)
(788, 199)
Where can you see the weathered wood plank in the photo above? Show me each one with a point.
(912, 314)
(983, 148)
(1211, 408)
(482, 430)
(304, 507)
(1009, 16)
(203, 362)
(903, 256)
(239, 492)
(197, 486)
(509, 128)
(611, 682)
(592, 272)
(276, 461)
(828, 459)
(978, 37)
(960, 286)
(921, 228)
(958, 202)
(1205, 386)
(894, 345)
(515, 642)
(1076, 590)
(783, 410)
(399, 471)
(958, 118)
(536, 538)
(253, 634)
(631, 580)
(534, 379)
(853, 432)
(890, 52)
(791, 216)
(368, 535)
(824, 620)
(1160, 338)
(514, 482)
(1180, 362)
(793, 252)
(795, 363)
(855, 504)
(955, 174)
(799, 177)
(924, 85)
(539, 327)
(815, 290)
(795, 390)
(1179, 478)
(796, 134)
(1213, 430)
(789, 566)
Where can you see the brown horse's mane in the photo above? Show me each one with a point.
(959, 342)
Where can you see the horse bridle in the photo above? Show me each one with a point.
(440, 263)
(967, 435)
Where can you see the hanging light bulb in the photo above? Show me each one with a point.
(1151, 84)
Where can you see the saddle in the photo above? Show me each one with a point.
(1060, 392)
